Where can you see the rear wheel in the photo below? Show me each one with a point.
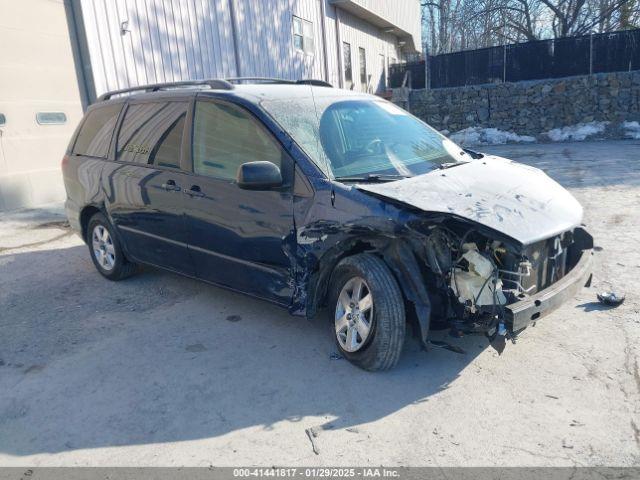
(367, 310)
(105, 249)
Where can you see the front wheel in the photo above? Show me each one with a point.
(367, 310)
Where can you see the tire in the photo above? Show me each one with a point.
(381, 348)
(111, 263)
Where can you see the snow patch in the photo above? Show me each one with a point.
(632, 130)
(488, 136)
(577, 132)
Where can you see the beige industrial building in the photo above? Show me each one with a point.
(57, 56)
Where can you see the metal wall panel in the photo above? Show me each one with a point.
(360, 34)
(265, 44)
(406, 14)
(136, 42)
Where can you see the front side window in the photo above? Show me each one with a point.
(303, 39)
(96, 132)
(151, 133)
(226, 136)
(356, 137)
(363, 69)
(348, 72)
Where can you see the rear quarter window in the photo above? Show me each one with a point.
(96, 131)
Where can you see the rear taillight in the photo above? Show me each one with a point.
(65, 160)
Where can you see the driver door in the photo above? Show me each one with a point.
(237, 237)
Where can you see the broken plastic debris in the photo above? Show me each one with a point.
(447, 346)
(611, 299)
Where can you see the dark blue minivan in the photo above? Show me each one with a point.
(308, 196)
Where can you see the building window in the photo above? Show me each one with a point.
(348, 72)
(51, 118)
(3, 120)
(303, 35)
(362, 54)
(382, 84)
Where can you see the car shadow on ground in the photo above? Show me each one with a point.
(87, 363)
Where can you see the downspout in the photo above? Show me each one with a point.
(323, 12)
(339, 47)
(234, 32)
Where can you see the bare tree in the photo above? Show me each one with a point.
(452, 25)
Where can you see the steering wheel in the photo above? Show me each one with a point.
(375, 146)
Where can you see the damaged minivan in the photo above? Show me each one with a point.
(315, 198)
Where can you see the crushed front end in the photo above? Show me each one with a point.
(497, 287)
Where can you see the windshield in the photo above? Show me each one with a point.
(359, 137)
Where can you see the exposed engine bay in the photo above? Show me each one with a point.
(481, 276)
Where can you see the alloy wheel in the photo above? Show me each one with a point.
(103, 249)
(354, 315)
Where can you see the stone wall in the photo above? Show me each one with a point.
(534, 107)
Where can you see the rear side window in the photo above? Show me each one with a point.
(96, 132)
(225, 137)
(151, 133)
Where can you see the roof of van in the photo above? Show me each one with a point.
(255, 92)
(271, 91)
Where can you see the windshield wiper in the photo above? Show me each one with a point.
(372, 177)
(444, 166)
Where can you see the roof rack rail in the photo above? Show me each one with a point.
(310, 81)
(315, 83)
(259, 80)
(213, 83)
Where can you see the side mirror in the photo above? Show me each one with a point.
(259, 176)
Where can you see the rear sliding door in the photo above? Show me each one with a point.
(145, 184)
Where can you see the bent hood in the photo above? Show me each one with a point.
(517, 200)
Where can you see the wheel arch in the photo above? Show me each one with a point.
(85, 215)
(397, 254)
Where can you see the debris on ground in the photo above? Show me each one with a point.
(197, 347)
(447, 346)
(611, 299)
(566, 445)
(499, 342)
(335, 356)
(313, 433)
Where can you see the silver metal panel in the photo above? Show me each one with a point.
(135, 42)
(402, 15)
(361, 34)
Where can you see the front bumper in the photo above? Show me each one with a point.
(520, 314)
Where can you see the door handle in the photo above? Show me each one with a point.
(194, 191)
(171, 186)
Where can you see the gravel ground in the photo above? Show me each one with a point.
(163, 370)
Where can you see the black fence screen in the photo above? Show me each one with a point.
(397, 74)
(562, 57)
